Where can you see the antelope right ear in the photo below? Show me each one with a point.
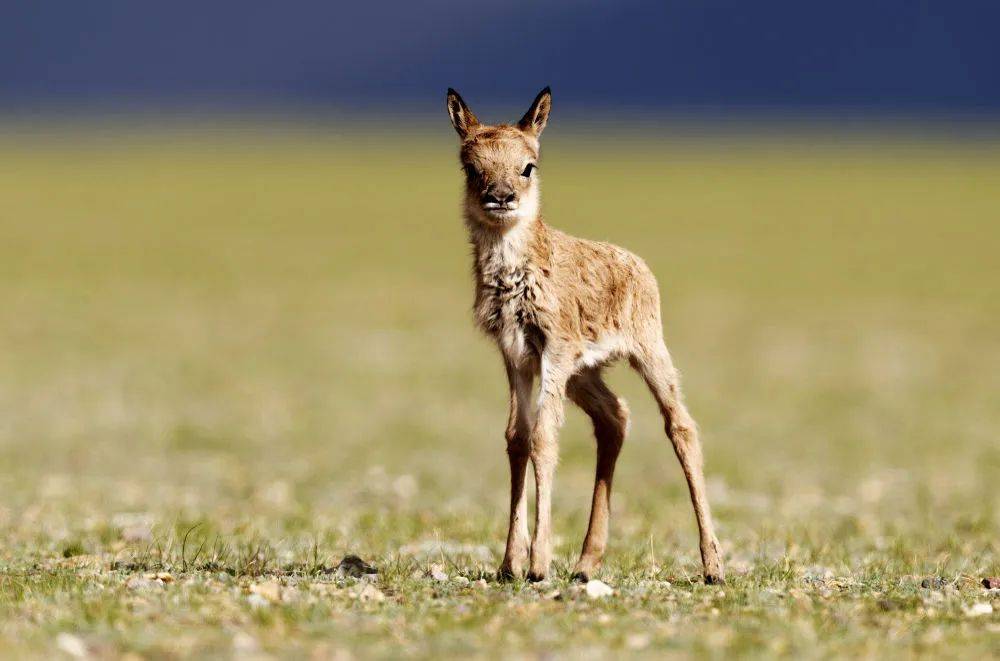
(538, 114)
(461, 117)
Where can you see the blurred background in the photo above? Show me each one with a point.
(235, 291)
(779, 55)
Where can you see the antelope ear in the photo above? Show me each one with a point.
(538, 114)
(461, 117)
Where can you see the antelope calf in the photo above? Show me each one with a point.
(560, 309)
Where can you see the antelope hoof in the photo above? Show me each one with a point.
(508, 574)
(714, 573)
(536, 576)
(585, 569)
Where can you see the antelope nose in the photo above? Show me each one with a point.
(498, 196)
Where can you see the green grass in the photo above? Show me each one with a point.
(258, 345)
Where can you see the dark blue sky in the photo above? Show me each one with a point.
(889, 55)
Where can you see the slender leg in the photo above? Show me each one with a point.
(661, 377)
(610, 418)
(544, 455)
(518, 450)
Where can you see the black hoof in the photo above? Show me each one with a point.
(580, 577)
(535, 578)
(506, 576)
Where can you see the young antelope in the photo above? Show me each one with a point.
(560, 309)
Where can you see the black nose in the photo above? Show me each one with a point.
(500, 197)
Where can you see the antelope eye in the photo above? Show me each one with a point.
(470, 171)
(527, 169)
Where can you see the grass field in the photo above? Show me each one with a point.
(232, 358)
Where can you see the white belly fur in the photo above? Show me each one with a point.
(599, 352)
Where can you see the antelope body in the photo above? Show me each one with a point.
(561, 308)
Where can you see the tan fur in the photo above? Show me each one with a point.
(560, 308)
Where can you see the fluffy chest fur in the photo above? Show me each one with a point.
(507, 309)
(508, 295)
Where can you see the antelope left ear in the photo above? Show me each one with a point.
(538, 114)
(461, 116)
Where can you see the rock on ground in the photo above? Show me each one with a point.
(598, 589)
(72, 645)
(354, 566)
(437, 572)
(978, 609)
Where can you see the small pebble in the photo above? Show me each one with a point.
(72, 645)
(598, 589)
(354, 566)
(978, 609)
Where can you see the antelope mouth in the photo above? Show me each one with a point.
(498, 211)
(496, 214)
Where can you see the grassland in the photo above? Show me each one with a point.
(232, 358)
